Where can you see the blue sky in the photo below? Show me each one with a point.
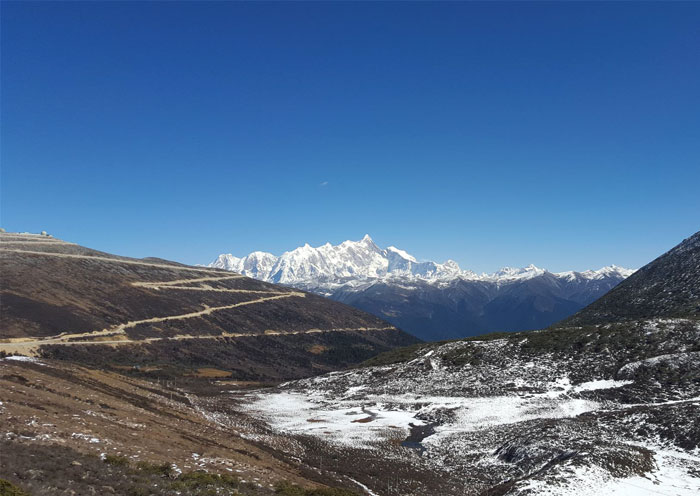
(561, 134)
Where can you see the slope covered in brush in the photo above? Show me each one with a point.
(666, 287)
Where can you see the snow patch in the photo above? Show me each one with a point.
(22, 358)
(340, 422)
(670, 477)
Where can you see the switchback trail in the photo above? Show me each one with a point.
(116, 335)
(29, 347)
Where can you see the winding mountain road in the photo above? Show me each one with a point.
(116, 335)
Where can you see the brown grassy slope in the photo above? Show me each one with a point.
(57, 420)
(43, 295)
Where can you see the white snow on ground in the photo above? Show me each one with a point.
(85, 437)
(365, 488)
(670, 478)
(376, 418)
(600, 384)
(21, 358)
(480, 413)
(671, 360)
(346, 423)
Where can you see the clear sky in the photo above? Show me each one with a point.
(561, 134)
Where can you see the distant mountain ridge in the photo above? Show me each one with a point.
(429, 299)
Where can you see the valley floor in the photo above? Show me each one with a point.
(519, 414)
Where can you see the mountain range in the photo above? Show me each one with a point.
(604, 403)
(431, 300)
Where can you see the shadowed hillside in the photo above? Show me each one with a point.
(666, 287)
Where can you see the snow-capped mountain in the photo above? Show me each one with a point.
(358, 261)
(429, 299)
(330, 265)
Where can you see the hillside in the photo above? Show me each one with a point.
(666, 287)
(61, 300)
(432, 301)
(73, 430)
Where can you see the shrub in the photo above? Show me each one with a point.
(200, 481)
(119, 461)
(9, 489)
(163, 469)
(139, 491)
(289, 489)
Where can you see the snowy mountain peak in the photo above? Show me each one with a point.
(352, 262)
(603, 272)
(401, 254)
(518, 273)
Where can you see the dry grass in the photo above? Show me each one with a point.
(211, 373)
(364, 420)
(93, 412)
(317, 349)
(244, 384)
